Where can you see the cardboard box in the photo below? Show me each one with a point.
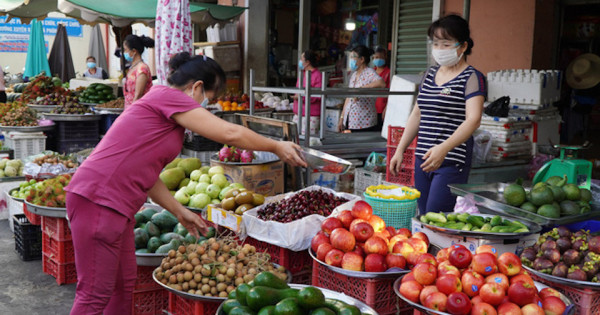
(325, 179)
(446, 240)
(332, 119)
(264, 178)
(224, 218)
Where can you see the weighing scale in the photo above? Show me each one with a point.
(578, 171)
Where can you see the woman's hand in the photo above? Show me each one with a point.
(288, 152)
(396, 163)
(193, 223)
(434, 158)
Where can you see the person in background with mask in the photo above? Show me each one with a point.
(382, 70)
(113, 183)
(359, 113)
(308, 62)
(2, 87)
(447, 112)
(93, 71)
(139, 79)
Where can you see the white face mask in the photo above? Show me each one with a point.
(446, 57)
(204, 99)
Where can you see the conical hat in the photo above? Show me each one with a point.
(584, 72)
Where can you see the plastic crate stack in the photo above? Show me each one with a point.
(298, 263)
(149, 298)
(586, 301)
(74, 136)
(25, 144)
(182, 306)
(57, 249)
(28, 238)
(510, 136)
(406, 176)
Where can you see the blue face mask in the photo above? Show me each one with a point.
(204, 100)
(300, 65)
(127, 57)
(91, 65)
(378, 62)
(353, 65)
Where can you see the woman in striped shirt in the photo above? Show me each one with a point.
(447, 112)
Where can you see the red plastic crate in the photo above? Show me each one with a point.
(32, 217)
(293, 261)
(150, 302)
(64, 273)
(144, 279)
(56, 228)
(302, 277)
(377, 293)
(182, 306)
(408, 158)
(395, 134)
(405, 177)
(61, 251)
(587, 302)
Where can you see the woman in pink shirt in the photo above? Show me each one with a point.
(139, 78)
(122, 171)
(308, 62)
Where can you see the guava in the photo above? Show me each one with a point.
(514, 195)
(572, 192)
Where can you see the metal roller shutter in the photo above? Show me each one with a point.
(412, 18)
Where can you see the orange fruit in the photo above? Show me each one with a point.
(234, 104)
(227, 104)
(220, 102)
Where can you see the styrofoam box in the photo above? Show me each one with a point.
(525, 86)
(446, 240)
(325, 179)
(75, 83)
(227, 56)
(332, 119)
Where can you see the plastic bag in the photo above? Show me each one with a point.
(483, 143)
(466, 205)
(498, 108)
(376, 162)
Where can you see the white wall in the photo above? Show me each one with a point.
(115, 64)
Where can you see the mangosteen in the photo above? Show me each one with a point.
(528, 255)
(563, 231)
(560, 270)
(594, 244)
(549, 244)
(575, 273)
(591, 268)
(581, 233)
(571, 257)
(579, 244)
(596, 278)
(563, 244)
(543, 265)
(591, 256)
(553, 255)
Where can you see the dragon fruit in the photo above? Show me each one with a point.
(235, 154)
(247, 156)
(225, 154)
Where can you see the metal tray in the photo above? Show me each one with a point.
(72, 117)
(325, 162)
(9, 193)
(490, 196)
(564, 281)
(90, 104)
(12, 179)
(391, 273)
(364, 308)
(569, 311)
(27, 128)
(533, 228)
(102, 110)
(46, 211)
(149, 259)
(42, 108)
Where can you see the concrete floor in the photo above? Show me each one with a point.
(25, 288)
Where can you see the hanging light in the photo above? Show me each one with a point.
(350, 23)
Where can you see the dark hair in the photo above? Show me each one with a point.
(90, 57)
(381, 50)
(186, 68)
(452, 27)
(310, 55)
(139, 42)
(363, 51)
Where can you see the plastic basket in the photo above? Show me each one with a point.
(408, 158)
(77, 130)
(61, 251)
(32, 217)
(64, 273)
(28, 238)
(182, 306)
(587, 302)
(150, 302)
(405, 177)
(396, 213)
(56, 228)
(302, 277)
(200, 143)
(377, 293)
(72, 146)
(144, 279)
(293, 261)
(25, 144)
(364, 179)
(395, 134)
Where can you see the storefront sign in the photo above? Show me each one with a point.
(14, 36)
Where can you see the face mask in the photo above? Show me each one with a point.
(446, 57)
(204, 100)
(91, 65)
(353, 65)
(127, 57)
(378, 62)
(300, 65)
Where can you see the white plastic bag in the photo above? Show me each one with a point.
(466, 205)
(482, 144)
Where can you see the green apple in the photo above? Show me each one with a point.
(190, 189)
(215, 201)
(220, 180)
(201, 187)
(195, 175)
(182, 196)
(224, 191)
(204, 178)
(199, 200)
(236, 185)
(215, 170)
(213, 190)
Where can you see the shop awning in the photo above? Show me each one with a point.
(26, 10)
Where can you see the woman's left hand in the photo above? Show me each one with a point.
(193, 223)
(434, 158)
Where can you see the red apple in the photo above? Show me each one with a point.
(408, 277)
(522, 278)
(334, 257)
(448, 269)
(428, 258)
(391, 230)
(483, 309)
(553, 305)
(394, 240)
(342, 239)
(355, 222)
(331, 224)
(352, 261)
(395, 260)
(537, 300)
(323, 250)
(422, 236)
(492, 293)
(442, 255)
(532, 309)
(546, 292)
(362, 231)
(487, 249)
(377, 223)
(509, 264)
(384, 234)
(404, 231)
(436, 301)
(359, 250)
(498, 278)
(411, 290)
(427, 290)
(476, 300)
(484, 264)
(418, 244)
(319, 239)
(460, 257)
(505, 299)
(458, 304)
(425, 273)
(346, 218)
(471, 282)
(521, 293)
(376, 245)
(403, 247)
(375, 263)
(455, 246)
(448, 284)
(362, 210)
(412, 258)
(508, 308)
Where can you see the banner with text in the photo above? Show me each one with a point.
(14, 36)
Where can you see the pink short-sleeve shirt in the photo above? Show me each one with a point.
(127, 162)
